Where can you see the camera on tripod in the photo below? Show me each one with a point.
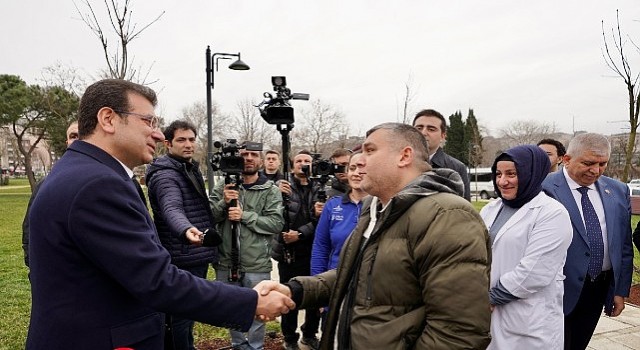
(228, 158)
(278, 110)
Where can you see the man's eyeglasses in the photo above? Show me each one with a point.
(151, 120)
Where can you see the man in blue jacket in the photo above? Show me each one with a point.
(100, 279)
(181, 208)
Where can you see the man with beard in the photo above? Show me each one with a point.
(257, 217)
(180, 210)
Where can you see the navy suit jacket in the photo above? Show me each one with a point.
(100, 277)
(617, 211)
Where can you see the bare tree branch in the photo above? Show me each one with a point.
(619, 63)
(249, 125)
(526, 132)
(409, 95)
(321, 124)
(120, 64)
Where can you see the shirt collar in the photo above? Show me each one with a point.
(126, 168)
(574, 185)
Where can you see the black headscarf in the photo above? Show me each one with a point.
(532, 166)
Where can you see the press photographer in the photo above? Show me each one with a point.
(293, 247)
(329, 172)
(339, 184)
(248, 208)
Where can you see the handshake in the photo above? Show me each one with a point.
(274, 299)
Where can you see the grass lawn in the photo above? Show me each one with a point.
(14, 285)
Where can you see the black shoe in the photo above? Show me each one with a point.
(312, 343)
(290, 346)
(243, 346)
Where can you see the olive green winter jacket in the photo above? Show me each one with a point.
(420, 281)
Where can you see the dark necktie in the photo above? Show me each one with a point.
(139, 188)
(594, 233)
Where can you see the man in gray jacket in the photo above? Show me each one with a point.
(181, 209)
(245, 257)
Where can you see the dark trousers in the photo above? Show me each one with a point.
(580, 323)
(182, 329)
(289, 321)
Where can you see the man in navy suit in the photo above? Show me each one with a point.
(100, 277)
(609, 251)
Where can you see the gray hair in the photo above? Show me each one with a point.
(596, 143)
(403, 135)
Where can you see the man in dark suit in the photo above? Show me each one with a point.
(100, 277)
(600, 258)
(433, 126)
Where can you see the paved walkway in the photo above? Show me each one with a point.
(612, 333)
(622, 332)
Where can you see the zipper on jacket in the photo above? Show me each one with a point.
(369, 294)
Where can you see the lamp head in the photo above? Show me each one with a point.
(239, 65)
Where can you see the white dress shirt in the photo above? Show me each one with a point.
(595, 199)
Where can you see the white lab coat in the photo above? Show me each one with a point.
(529, 253)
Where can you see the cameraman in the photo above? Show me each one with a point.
(258, 217)
(181, 209)
(293, 248)
(340, 183)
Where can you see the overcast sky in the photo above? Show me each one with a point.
(508, 60)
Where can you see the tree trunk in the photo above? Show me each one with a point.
(631, 144)
(633, 123)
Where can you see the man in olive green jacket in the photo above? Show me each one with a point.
(415, 271)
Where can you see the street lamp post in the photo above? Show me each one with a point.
(212, 61)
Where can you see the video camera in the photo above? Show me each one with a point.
(322, 167)
(278, 110)
(228, 159)
(320, 170)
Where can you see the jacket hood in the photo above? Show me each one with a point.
(436, 180)
(440, 180)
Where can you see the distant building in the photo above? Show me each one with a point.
(11, 158)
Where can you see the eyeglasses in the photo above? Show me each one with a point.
(152, 120)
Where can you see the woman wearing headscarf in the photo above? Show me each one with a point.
(530, 233)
